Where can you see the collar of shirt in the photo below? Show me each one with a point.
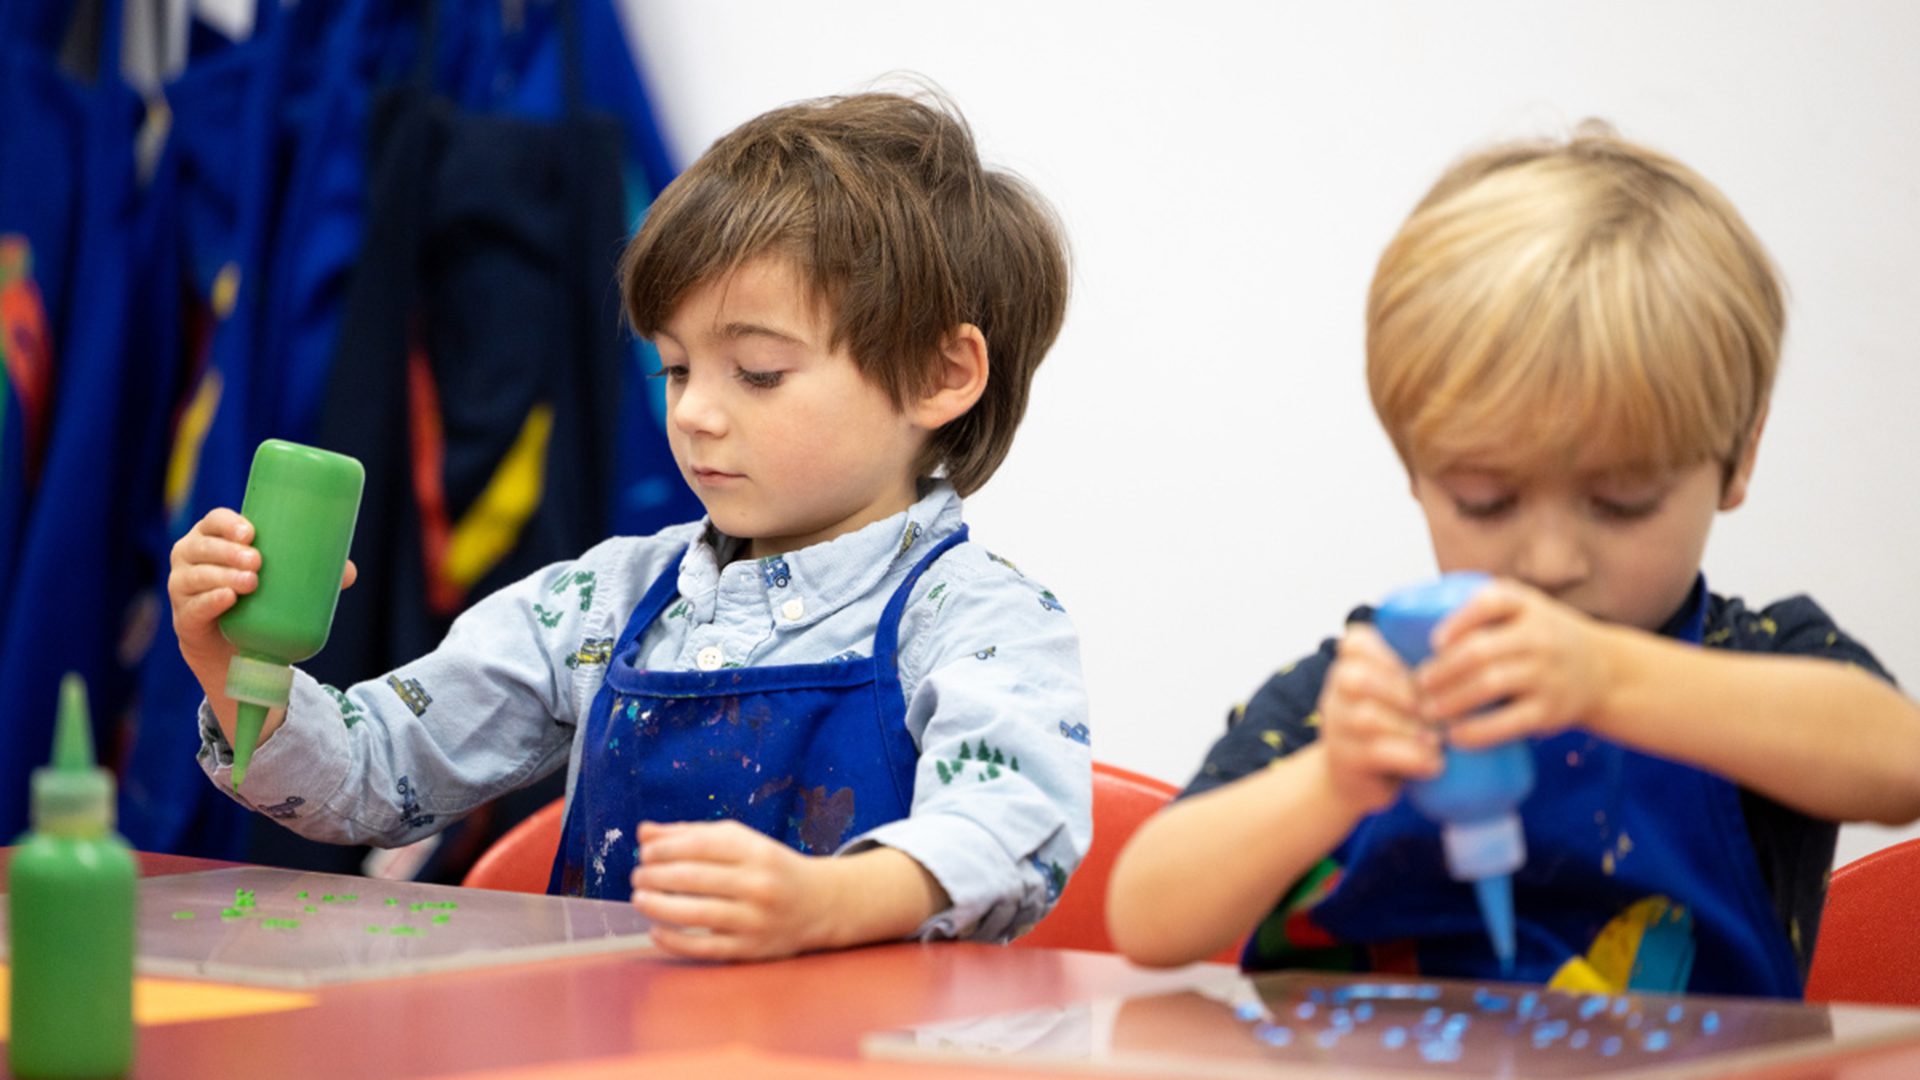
(802, 587)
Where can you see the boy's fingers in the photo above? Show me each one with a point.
(1496, 603)
(349, 575)
(222, 521)
(1503, 724)
(687, 912)
(687, 879)
(192, 581)
(698, 946)
(198, 548)
(700, 841)
(204, 607)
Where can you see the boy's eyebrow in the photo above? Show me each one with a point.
(748, 329)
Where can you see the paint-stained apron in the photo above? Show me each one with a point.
(1639, 875)
(810, 754)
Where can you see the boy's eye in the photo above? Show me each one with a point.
(670, 372)
(760, 380)
(1484, 509)
(1625, 509)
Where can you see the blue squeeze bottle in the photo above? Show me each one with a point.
(1475, 799)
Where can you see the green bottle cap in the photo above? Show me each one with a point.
(72, 796)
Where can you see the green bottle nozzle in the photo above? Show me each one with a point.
(72, 796)
(259, 686)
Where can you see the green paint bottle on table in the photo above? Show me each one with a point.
(303, 503)
(70, 912)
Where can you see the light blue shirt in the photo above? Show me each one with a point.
(987, 659)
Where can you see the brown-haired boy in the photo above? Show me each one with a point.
(1572, 346)
(848, 308)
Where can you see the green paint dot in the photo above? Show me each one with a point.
(442, 920)
(311, 909)
(183, 914)
(231, 913)
(301, 895)
(279, 924)
(327, 899)
(404, 931)
(373, 929)
(349, 896)
(391, 902)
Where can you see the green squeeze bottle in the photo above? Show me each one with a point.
(302, 502)
(70, 904)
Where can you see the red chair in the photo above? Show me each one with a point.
(1122, 802)
(1869, 945)
(522, 859)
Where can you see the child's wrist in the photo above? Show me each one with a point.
(1325, 785)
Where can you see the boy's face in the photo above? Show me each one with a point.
(782, 439)
(1619, 542)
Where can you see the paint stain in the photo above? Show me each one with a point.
(825, 818)
(183, 915)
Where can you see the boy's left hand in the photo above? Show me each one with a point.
(718, 890)
(1535, 664)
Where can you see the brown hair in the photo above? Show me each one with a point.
(1546, 294)
(882, 203)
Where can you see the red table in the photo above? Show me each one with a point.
(704, 1020)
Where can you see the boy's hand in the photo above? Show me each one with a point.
(719, 890)
(213, 565)
(1537, 665)
(1371, 729)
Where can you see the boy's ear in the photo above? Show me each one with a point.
(959, 379)
(1734, 491)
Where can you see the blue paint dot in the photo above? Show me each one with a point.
(1340, 1018)
(1304, 1010)
(1363, 1012)
(1674, 1013)
(1394, 1037)
(1247, 1011)
(1710, 1023)
(1655, 1041)
(1593, 1006)
(1578, 1039)
(1433, 1016)
(1610, 1045)
(1273, 1034)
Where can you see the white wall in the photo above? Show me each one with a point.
(1200, 477)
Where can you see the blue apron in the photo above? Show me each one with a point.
(789, 750)
(1639, 875)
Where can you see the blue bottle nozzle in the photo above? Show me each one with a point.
(1475, 799)
(1496, 910)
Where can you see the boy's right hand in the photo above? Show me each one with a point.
(213, 565)
(1370, 723)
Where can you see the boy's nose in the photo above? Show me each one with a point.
(695, 412)
(1552, 558)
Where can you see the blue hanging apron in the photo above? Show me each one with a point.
(1639, 876)
(789, 750)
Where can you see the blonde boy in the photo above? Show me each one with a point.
(1571, 346)
(848, 309)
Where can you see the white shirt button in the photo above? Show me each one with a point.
(793, 609)
(710, 658)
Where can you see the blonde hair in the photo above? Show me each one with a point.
(881, 202)
(1544, 295)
